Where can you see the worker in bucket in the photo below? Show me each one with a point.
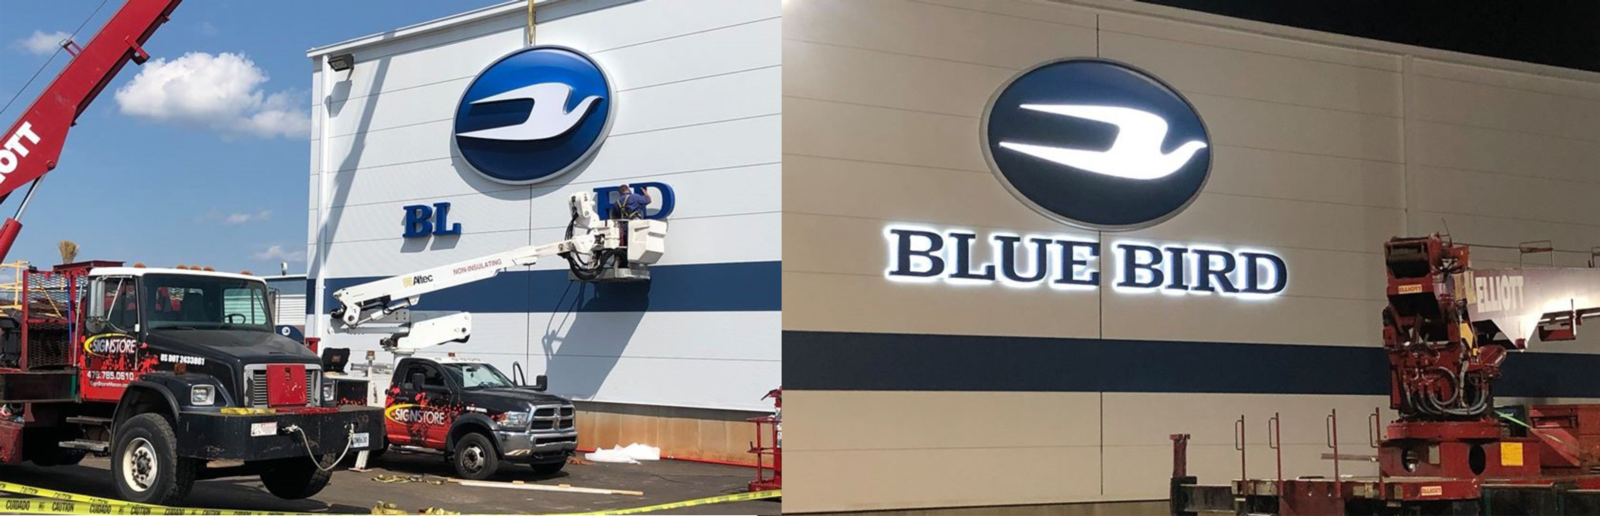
(630, 206)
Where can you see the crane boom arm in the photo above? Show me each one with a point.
(32, 146)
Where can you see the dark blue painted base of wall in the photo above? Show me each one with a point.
(901, 362)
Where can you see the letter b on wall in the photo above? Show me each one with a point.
(422, 220)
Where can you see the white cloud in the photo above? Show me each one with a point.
(221, 91)
(277, 254)
(42, 43)
(207, 29)
(241, 218)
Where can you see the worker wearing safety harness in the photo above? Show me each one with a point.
(630, 206)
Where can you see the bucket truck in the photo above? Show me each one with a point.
(469, 411)
(165, 370)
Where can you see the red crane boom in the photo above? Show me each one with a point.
(33, 145)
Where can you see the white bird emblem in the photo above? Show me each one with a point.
(548, 118)
(1136, 153)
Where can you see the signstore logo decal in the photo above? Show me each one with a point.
(110, 344)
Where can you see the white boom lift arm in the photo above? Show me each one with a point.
(595, 250)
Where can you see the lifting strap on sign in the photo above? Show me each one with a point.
(530, 23)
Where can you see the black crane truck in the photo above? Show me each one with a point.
(165, 371)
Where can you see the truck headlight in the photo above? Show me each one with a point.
(202, 395)
(327, 391)
(514, 421)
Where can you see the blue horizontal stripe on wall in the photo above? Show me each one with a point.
(712, 287)
(901, 362)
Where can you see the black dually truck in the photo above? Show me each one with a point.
(165, 371)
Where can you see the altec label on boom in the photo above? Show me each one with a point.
(11, 155)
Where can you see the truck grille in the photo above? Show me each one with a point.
(546, 418)
(256, 387)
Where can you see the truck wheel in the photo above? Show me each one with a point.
(549, 468)
(295, 477)
(475, 458)
(145, 462)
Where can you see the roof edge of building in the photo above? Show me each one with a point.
(426, 27)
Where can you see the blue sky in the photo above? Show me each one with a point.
(161, 179)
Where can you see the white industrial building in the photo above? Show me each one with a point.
(679, 361)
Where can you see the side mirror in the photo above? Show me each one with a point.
(95, 324)
(417, 380)
(540, 383)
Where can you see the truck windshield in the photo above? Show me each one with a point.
(477, 376)
(194, 302)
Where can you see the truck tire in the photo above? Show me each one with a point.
(549, 468)
(295, 478)
(474, 457)
(145, 464)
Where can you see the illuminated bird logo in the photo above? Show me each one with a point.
(1136, 153)
(548, 119)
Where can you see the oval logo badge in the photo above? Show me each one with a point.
(1096, 144)
(534, 114)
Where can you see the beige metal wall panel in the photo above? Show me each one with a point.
(1244, 73)
(947, 420)
(1504, 109)
(1305, 177)
(1281, 320)
(936, 31)
(1506, 196)
(890, 193)
(956, 477)
(880, 135)
(1030, 9)
(1265, 125)
(1554, 82)
(1488, 150)
(852, 303)
(1245, 40)
(898, 81)
(1274, 223)
(939, 452)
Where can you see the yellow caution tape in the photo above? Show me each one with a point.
(47, 506)
(50, 501)
(741, 497)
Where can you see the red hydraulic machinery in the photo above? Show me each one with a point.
(32, 147)
(769, 478)
(1447, 330)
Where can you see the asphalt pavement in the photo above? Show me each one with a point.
(355, 492)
